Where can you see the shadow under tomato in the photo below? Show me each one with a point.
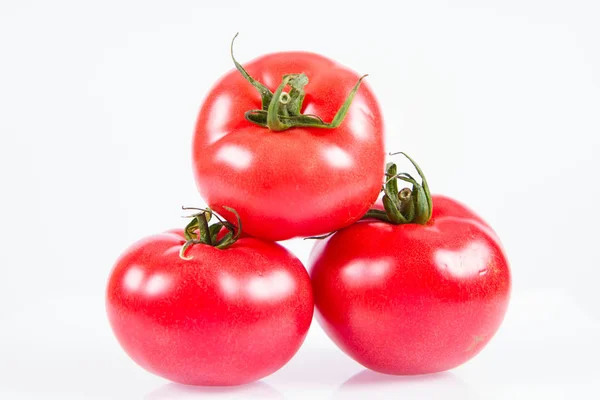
(255, 390)
(443, 385)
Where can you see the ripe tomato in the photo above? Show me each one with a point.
(445, 206)
(412, 298)
(222, 317)
(302, 181)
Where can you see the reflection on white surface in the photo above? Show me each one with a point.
(255, 390)
(445, 385)
(125, 102)
(469, 261)
(364, 271)
(270, 286)
(337, 157)
(234, 156)
(219, 116)
(547, 349)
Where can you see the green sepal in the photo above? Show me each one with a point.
(393, 211)
(198, 230)
(278, 115)
(406, 206)
(265, 93)
(214, 231)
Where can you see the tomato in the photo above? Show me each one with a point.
(445, 206)
(218, 316)
(306, 180)
(412, 298)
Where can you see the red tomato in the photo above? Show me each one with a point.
(223, 317)
(410, 298)
(446, 206)
(299, 182)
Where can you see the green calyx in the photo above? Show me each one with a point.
(198, 230)
(282, 110)
(405, 206)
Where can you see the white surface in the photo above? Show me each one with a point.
(498, 103)
(546, 349)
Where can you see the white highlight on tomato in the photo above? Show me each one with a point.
(136, 280)
(359, 119)
(310, 109)
(268, 81)
(234, 156)
(133, 278)
(366, 271)
(219, 116)
(337, 157)
(472, 260)
(157, 284)
(229, 284)
(271, 286)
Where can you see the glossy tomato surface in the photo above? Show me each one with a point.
(297, 182)
(225, 317)
(412, 299)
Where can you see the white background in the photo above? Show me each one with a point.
(498, 101)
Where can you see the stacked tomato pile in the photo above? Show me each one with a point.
(412, 283)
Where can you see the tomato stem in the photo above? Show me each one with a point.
(264, 91)
(405, 206)
(198, 230)
(377, 214)
(283, 110)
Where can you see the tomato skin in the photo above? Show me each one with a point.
(225, 317)
(412, 299)
(446, 206)
(298, 182)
